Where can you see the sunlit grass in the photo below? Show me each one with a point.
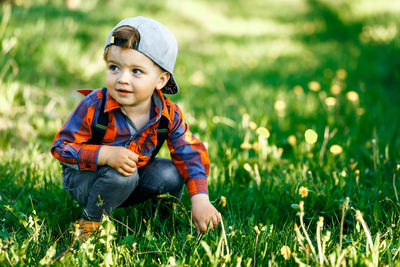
(293, 101)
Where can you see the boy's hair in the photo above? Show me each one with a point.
(127, 37)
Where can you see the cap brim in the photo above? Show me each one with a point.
(171, 87)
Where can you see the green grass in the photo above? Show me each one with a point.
(236, 60)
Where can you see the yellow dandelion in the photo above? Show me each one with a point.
(336, 149)
(247, 167)
(360, 111)
(303, 191)
(298, 90)
(279, 105)
(256, 230)
(314, 86)
(352, 96)
(292, 140)
(171, 261)
(285, 252)
(223, 201)
(336, 89)
(341, 74)
(252, 125)
(330, 101)
(352, 166)
(311, 136)
(246, 146)
(245, 120)
(357, 172)
(263, 131)
(256, 146)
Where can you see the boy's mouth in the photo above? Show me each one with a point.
(123, 92)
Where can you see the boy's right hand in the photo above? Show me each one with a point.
(120, 158)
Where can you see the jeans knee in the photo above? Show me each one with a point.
(171, 176)
(115, 179)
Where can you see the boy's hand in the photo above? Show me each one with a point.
(120, 158)
(204, 214)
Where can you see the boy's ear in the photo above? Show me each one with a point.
(163, 79)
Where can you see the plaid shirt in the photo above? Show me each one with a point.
(187, 152)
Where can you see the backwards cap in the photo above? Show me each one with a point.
(156, 42)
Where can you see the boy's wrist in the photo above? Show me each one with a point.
(102, 158)
(199, 197)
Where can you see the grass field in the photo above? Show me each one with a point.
(299, 105)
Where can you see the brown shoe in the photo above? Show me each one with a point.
(86, 228)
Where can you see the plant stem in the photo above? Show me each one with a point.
(360, 218)
(255, 250)
(151, 252)
(109, 216)
(344, 208)
(69, 248)
(318, 234)
(394, 187)
(300, 239)
(323, 147)
(224, 234)
(374, 154)
(304, 228)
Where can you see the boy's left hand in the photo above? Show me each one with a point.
(204, 213)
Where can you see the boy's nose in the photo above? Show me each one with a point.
(124, 77)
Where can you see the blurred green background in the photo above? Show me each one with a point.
(235, 56)
(286, 66)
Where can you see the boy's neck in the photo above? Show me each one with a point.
(137, 110)
(140, 114)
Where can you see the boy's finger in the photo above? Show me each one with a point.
(131, 163)
(202, 227)
(214, 221)
(129, 170)
(196, 226)
(133, 156)
(121, 171)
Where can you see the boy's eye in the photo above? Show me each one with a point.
(113, 67)
(136, 71)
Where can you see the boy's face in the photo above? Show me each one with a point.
(131, 77)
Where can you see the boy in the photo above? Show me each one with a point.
(107, 146)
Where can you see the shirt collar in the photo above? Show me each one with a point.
(111, 103)
(157, 103)
(160, 104)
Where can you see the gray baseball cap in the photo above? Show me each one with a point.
(157, 43)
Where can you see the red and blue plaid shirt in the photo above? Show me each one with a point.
(188, 154)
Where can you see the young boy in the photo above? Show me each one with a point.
(108, 144)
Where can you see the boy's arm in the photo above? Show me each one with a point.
(70, 142)
(191, 159)
(188, 153)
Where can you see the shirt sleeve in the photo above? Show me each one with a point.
(189, 154)
(70, 142)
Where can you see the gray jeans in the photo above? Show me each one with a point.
(116, 190)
